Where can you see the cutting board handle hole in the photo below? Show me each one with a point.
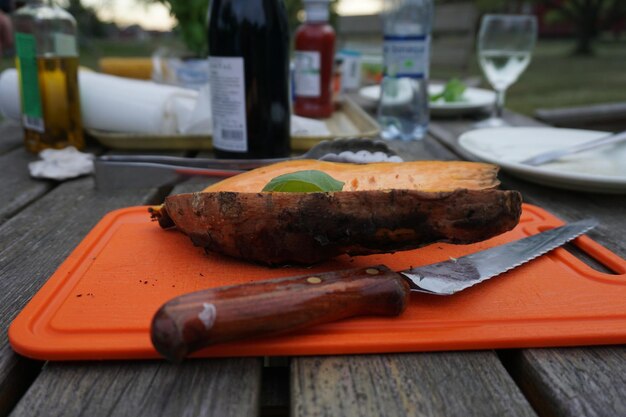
(607, 265)
(588, 259)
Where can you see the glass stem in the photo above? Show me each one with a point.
(499, 107)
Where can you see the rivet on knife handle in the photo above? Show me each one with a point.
(193, 321)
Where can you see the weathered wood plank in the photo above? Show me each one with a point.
(573, 382)
(17, 188)
(33, 245)
(432, 384)
(426, 384)
(566, 382)
(35, 242)
(194, 388)
(11, 136)
(16, 375)
(608, 116)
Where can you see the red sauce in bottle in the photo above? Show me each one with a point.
(315, 51)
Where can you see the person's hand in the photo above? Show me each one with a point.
(6, 32)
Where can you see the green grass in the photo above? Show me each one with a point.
(554, 78)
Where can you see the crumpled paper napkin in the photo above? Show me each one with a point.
(360, 157)
(61, 164)
(199, 120)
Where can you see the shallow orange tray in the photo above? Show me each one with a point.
(99, 303)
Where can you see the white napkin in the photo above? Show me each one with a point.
(360, 157)
(10, 102)
(199, 119)
(303, 126)
(199, 122)
(118, 104)
(115, 104)
(61, 164)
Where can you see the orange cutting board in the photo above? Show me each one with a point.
(99, 303)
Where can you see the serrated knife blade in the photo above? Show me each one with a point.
(454, 275)
(192, 321)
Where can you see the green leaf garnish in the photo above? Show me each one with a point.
(453, 91)
(304, 182)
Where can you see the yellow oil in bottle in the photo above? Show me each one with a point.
(60, 100)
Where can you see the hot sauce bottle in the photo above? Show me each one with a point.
(314, 55)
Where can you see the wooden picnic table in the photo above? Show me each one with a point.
(42, 221)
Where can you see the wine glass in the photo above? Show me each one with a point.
(505, 43)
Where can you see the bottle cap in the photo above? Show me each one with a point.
(316, 10)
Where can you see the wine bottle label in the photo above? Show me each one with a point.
(406, 56)
(26, 51)
(307, 74)
(228, 104)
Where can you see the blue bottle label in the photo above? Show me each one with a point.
(406, 56)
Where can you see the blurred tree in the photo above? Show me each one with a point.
(191, 22)
(589, 17)
(87, 20)
(191, 18)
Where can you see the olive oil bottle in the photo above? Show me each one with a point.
(47, 64)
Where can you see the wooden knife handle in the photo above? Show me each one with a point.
(192, 321)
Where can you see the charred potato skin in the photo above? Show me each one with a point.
(307, 228)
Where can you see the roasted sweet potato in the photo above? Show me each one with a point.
(415, 175)
(279, 228)
(396, 207)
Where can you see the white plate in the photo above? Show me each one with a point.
(475, 99)
(601, 170)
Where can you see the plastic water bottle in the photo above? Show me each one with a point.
(403, 107)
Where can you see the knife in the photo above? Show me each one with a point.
(195, 320)
(549, 156)
(143, 171)
(125, 171)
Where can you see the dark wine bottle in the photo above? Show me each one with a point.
(249, 64)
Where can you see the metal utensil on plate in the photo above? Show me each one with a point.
(135, 171)
(559, 153)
